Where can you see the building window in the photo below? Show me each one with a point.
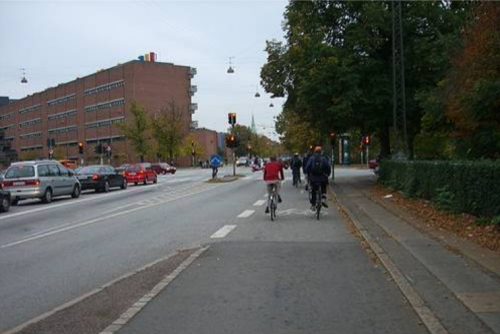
(105, 105)
(31, 135)
(61, 100)
(7, 127)
(30, 122)
(103, 88)
(7, 116)
(61, 115)
(31, 148)
(30, 109)
(64, 129)
(104, 122)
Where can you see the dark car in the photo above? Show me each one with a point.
(163, 168)
(140, 173)
(4, 201)
(101, 178)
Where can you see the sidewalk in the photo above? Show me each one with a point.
(453, 279)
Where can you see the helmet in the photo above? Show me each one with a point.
(317, 149)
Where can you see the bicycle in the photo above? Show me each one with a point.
(318, 203)
(296, 178)
(272, 202)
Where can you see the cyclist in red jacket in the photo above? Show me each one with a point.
(273, 175)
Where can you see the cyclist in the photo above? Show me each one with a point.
(318, 168)
(273, 175)
(296, 164)
(304, 164)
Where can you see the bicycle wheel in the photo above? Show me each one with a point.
(272, 208)
(318, 204)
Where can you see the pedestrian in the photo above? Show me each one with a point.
(215, 162)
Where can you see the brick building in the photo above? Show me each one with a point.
(88, 109)
(207, 139)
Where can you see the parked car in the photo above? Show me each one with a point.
(2, 174)
(373, 163)
(68, 163)
(242, 161)
(140, 173)
(4, 201)
(43, 179)
(163, 168)
(122, 169)
(101, 178)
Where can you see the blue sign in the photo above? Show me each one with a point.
(215, 161)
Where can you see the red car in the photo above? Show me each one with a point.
(140, 173)
(163, 168)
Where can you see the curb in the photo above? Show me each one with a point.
(479, 260)
(148, 297)
(425, 314)
(86, 295)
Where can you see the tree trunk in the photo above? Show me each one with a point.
(385, 143)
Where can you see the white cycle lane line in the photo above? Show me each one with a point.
(223, 232)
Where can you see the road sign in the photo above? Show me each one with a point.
(51, 152)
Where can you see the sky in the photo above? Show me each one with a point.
(57, 41)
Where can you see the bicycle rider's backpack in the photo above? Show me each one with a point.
(316, 166)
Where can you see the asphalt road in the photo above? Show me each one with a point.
(51, 254)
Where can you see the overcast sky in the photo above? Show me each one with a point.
(58, 41)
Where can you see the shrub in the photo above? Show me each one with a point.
(464, 186)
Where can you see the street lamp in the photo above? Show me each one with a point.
(230, 69)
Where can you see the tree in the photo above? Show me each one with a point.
(136, 130)
(167, 130)
(335, 68)
(189, 144)
(471, 90)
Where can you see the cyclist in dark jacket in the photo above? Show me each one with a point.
(318, 170)
(296, 164)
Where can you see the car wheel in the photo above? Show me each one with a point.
(163, 172)
(76, 191)
(136, 183)
(47, 197)
(106, 186)
(14, 202)
(5, 204)
(124, 184)
(155, 181)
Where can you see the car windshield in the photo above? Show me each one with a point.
(134, 168)
(89, 170)
(16, 172)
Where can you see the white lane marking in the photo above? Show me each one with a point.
(221, 233)
(62, 228)
(260, 202)
(246, 214)
(75, 201)
(93, 221)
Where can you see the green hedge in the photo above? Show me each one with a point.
(471, 187)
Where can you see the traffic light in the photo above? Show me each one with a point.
(332, 138)
(231, 117)
(367, 140)
(80, 148)
(231, 141)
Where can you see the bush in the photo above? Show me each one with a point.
(470, 187)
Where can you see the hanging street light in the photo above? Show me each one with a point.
(230, 70)
(271, 105)
(257, 92)
(24, 80)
